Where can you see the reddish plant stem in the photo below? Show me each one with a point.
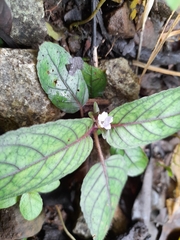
(99, 150)
(96, 140)
(81, 112)
(99, 101)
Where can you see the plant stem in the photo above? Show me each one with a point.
(76, 24)
(81, 112)
(61, 218)
(96, 139)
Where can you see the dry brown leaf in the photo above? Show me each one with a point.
(173, 204)
(175, 165)
(5, 17)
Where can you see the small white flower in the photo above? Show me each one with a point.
(104, 120)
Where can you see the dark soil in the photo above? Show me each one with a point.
(81, 41)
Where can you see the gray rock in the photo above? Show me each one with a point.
(28, 26)
(81, 229)
(22, 100)
(122, 85)
(119, 24)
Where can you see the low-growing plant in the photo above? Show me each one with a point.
(34, 159)
(173, 4)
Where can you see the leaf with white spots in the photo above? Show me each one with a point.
(61, 77)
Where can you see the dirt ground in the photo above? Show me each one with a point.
(148, 207)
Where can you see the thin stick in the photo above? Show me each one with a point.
(160, 42)
(112, 45)
(156, 69)
(155, 51)
(173, 33)
(76, 24)
(148, 7)
(94, 28)
(61, 219)
(51, 9)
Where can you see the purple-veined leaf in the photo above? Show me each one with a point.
(100, 194)
(145, 120)
(30, 205)
(33, 157)
(8, 202)
(49, 187)
(61, 78)
(135, 158)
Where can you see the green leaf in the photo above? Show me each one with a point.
(135, 158)
(30, 205)
(36, 156)
(173, 4)
(61, 78)
(96, 108)
(95, 79)
(8, 202)
(167, 168)
(49, 187)
(100, 194)
(146, 120)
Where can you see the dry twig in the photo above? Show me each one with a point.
(61, 218)
(162, 38)
(155, 69)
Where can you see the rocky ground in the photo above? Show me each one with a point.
(110, 42)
